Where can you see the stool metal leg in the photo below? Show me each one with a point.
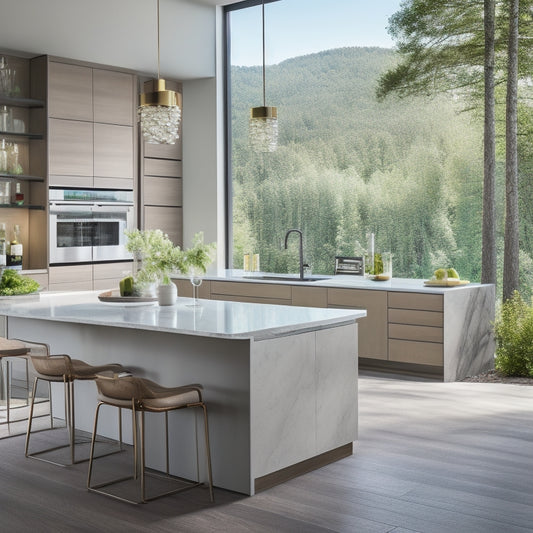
(208, 453)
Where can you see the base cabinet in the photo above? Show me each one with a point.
(100, 276)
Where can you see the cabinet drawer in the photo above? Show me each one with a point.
(252, 290)
(71, 274)
(414, 300)
(419, 318)
(310, 296)
(163, 151)
(423, 353)
(250, 299)
(162, 191)
(41, 279)
(415, 333)
(73, 286)
(111, 270)
(162, 167)
(168, 219)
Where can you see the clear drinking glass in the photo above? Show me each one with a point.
(196, 277)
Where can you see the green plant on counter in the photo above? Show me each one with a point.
(160, 258)
(514, 338)
(13, 284)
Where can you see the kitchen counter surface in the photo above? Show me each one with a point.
(220, 319)
(340, 281)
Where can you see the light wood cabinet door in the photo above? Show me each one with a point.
(310, 296)
(70, 148)
(373, 342)
(168, 219)
(70, 92)
(82, 274)
(113, 151)
(162, 191)
(163, 151)
(162, 167)
(113, 97)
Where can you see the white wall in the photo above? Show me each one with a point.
(121, 33)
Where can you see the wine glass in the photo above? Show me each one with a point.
(196, 277)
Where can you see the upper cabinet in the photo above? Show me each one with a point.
(113, 95)
(91, 114)
(70, 92)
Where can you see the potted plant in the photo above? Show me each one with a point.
(159, 258)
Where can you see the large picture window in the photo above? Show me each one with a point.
(408, 171)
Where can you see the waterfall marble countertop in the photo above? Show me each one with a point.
(211, 318)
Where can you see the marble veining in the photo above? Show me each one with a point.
(213, 318)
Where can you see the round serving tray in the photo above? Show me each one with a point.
(114, 297)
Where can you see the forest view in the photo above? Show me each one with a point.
(410, 171)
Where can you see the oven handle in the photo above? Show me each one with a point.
(114, 208)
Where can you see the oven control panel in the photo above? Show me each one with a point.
(350, 265)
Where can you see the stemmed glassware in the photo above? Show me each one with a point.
(196, 277)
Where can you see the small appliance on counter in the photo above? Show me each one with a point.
(354, 266)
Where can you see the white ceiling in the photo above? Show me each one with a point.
(117, 32)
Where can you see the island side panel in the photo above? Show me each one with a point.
(220, 365)
(336, 382)
(468, 332)
(303, 402)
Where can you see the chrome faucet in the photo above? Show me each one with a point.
(299, 232)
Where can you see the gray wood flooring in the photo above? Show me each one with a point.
(431, 457)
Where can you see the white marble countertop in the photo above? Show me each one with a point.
(339, 281)
(212, 318)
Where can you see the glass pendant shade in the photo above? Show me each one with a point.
(263, 129)
(160, 115)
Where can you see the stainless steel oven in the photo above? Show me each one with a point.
(88, 225)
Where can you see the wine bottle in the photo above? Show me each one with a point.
(14, 256)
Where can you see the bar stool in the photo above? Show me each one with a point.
(142, 395)
(15, 348)
(62, 369)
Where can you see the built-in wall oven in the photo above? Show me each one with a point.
(88, 225)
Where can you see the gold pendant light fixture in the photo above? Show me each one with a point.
(160, 110)
(263, 126)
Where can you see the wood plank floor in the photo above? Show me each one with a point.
(431, 457)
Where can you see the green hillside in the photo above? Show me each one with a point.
(408, 170)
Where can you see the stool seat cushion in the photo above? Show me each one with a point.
(60, 366)
(11, 347)
(146, 394)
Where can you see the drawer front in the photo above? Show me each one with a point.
(74, 286)
(252, 290)
(162, 167)
(414, 300)
(41, 279)
(250, 299)
(71, 274)
(415, 333)
(310, 296)
(108, 284)
(419, 318)
(422, 353)
(162, 191)
(112, 270)
(355, 298)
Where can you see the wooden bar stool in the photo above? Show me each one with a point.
(63, 369)
(142, 395)
(21, 349)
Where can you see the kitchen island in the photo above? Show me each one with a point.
(280, 383)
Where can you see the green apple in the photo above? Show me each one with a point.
(440, 273)
(452, 273)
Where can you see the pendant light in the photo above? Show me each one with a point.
(263, 127)
(159, 111)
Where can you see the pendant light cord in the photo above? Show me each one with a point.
(263, 23)
(158, 66)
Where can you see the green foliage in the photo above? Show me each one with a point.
(160, 258)
(514, 338)
(13, 283)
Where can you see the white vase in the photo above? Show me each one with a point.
(167, 294)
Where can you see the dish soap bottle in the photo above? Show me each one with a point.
(14, 256)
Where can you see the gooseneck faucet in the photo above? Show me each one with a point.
(301, 249)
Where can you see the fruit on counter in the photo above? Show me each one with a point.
(442, 273)
(452, 273)
(126, 286)
(13, 284)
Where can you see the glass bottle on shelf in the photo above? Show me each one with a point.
(5, 118)
(14, 255)
(18, 195)
(13, 160)
(2, 245)
(3, 156)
